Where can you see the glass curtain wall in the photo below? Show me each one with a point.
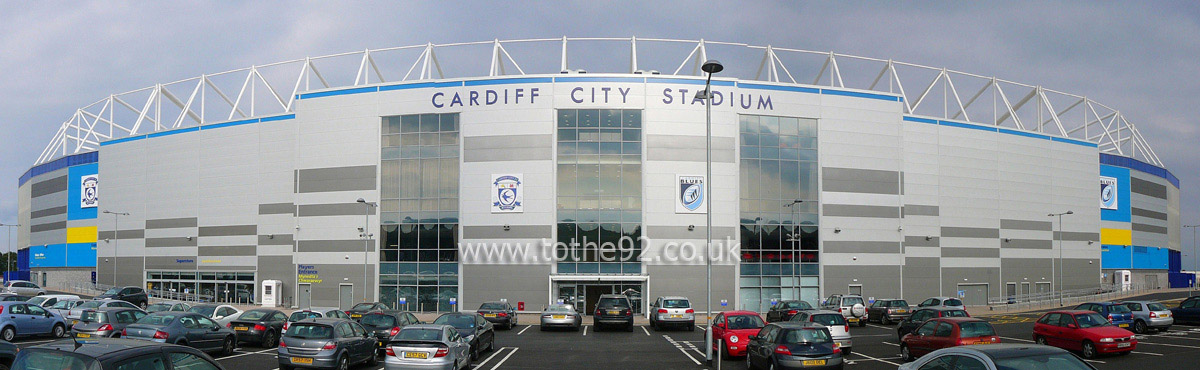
(418, 260)
(778, 234)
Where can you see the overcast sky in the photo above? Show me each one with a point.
(1142, 58)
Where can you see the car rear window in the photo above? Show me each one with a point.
(155, 319)
(93, 316)
(744, 322)
(89, 304)
(952, 302)
(1091, 320)
(457, 321)
(253, 315)
(976, 329)
(363, 306)
(850, 301)
(1056, 361)
(955, 313)
(806, 336)
(492, 306)
(829, 319)
(159, 307)
(379, 320)
(676, 303)
(301, 315)
(797, 305)
(900, 304)
(419, 334)
(41, 359)
(1117, 308)
(613, 302)
(310, 331)
(1156, 307)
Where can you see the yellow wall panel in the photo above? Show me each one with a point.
(1116, 237)
(86, 234)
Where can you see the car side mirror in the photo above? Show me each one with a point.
(754, 337)
(215, 328)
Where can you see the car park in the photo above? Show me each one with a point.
(185, 329)
(222, 313)
(364, 308)
(499, 313)
(940, 333)
(1116, 313)
(784, 310)
(793, 345)
(168, 306)
(672, 311)
(48, 300)
(561, 316)
(325, 343)
(22, 287)
(613, 310)
(949, 302)
(999, 356)
(888, 311)
(385, 325)
(105, 322)
(427, 346)
(919, 316)
(260, 326)
(135, 295)
(24, 319)
(1188, 311)
(1149, 315)
(63, 306)
(838, 328)
(851, 306)
(473, 328)
(75, 312)
(112, 354)
(731, 330)
(1085, 331)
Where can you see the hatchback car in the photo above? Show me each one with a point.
(168, 306)
(851, 306)
(111, 354)
(613, 310)
(561, 316)
(427, 346)
(999, 356)
(185, 329)
(24, 319)
(1188, 311)
(325, 344)
(63, 306)
(839, 329)
(105, 322)
(75, 312)
(784, 310)
(385, 325)
(499, 313)
(919, 316)
(135, 295)
(1085, 331)
(48, 300)
(22, 287)
(259, 326)
(364, 308)
(950, 302)
(222, 313)
(940, 333)
(672, 311)
(888, 311)
(313, 313)
(793, 345)
(473, 328)
(732, 330)
(1116, 313)
(1149, 315)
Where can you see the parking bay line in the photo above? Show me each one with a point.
(875, 359)
(680, 348)
(877, 326)
(891, 344)
(247, 353)
(647, 331)
(494, 353)
(585, 330)
(510, 353)
(1147, 353)
(523, 330)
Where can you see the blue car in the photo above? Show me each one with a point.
(25, 319)
(1116, 313)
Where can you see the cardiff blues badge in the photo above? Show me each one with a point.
(507, 195)
(1108, 193)
(691, 194)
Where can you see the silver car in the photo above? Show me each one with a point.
(168, 306)
(326, 344)
(428, 346)
(835, 322)
(23, 287)
(851, 306)
(672, 311)
(48, 300)
(73, 315)
(949, 302)
(185, 329)
(561, 316)
(63, 306)
(1149, 315)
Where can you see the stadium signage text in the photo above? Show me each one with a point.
(485, 97)
(593, 95)
(745, 101)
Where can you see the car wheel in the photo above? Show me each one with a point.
(59, 331)
(862, 322)
(143, 305)
(905, 354)
(1040, 340)
(749, 365)
(373, 359)
(227, 347)
(1139, 327)
(692, 327)
(269, 340)
(1089, 350)
(629, 327)
(885, 320)
(343, 363)
(492, 343)
(1164, 329)
(8, 334)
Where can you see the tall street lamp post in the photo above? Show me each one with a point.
(9, 257)
(366, 240)
(710, 67)
(795, 239)
(1060, 253)
(1195, 266)
(116, 218)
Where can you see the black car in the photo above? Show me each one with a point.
(112, 354)
(887, 311)
(613, 310)
(473, 328)
(260, 326)
(919, 316)
(1188, 311)
(8, 352)
(784, 310)
(499, 313)
(136, 296)
(793, 345)
(364, 308)
(385, 325)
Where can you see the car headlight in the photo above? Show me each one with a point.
(469, 337)
(1106, 340)
(733, 339)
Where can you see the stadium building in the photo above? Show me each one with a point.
(434, 177)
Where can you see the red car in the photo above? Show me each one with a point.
(941, 333)
(1085, 331)
(734, 328)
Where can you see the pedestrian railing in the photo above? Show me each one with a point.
(1104, 292)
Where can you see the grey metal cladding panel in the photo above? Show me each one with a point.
(688, 148)
(171, 263)
(855, 180)
(50, 186)
(508, 148)
(514, 232)
(1027, 244)
(510, 154)
(277, 267)
(970, 232)
(840, 246)
(1147, 188)
(847, 210)
(232, 230)
(349, 245)
(681, 232)
(276, 239)
(170, 242)
(971, 252)
(687, 155)
(1148, 213)
(921, 267)
(52, 211)
(60, 225)
(122, 234)
(171, 223)
(920, 210)
(332, 209)
(1149, 228)
(317, 180)
(238, 250)
(1076, 236)
(919, 241)
(277, 209)
(1026, 225)
(226, 268)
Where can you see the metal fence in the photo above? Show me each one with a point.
(161, 294)
(1105, 292)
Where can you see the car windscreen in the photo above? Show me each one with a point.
(93, 316)
(1156, 307)
(203, 310)
(254, 315)
(363, 307)
(798, 305)
(62, 305)
(301, 315)
(829, 319)
(564, 309)
(955, 313)
(898, 304)
(1055, 361)
(1091, 320)
(613, 302)
(1118, 308)
(850, 301)
(89, 304)
(976, 329)
(159, 307)
(37, 300)
(676, 303)
(492, 306)
(952, 302)
(744, 322)
(810, 335)
(379, 320)
(47, 359)
(310, 331)
(113, 291)
(421, 334)
(457, 321)
(155, 319)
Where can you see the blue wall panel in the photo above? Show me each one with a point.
(1123, 257)
(1122, 213)
(53, 255)
(75, 174)
(81, 255)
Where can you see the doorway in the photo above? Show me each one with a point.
(974, 294)
(855, 289)
(1025, 290)
(346, 296)
(304, 296)
(585, 294)
(1011, 290)
(1043, 287)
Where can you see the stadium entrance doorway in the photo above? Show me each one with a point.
(585, 294)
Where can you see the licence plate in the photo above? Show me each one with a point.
(73, 322)
(1123, 345)
(901, 311)
(82, 335)
(379, 344)
(676, 316)
(302, 360)
(814, 362)
(1123, 325)
(852, 320)
(614, 312)
(241, 328)
(1165, 315)
(354, 315)
(489, 315)
(416, 355)
(559, 317)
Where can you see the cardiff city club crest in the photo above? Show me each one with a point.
(1108, 193)
(691, 194)
(507, 194)
(89, 196)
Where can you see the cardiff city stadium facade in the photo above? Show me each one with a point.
(433, 177)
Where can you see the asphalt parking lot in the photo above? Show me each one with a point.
(875, 347)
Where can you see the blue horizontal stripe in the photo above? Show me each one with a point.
(420, 85)
(687, 81)
(1024, 133)
(57, 164)
(601, 79)
(921, 120)
(507, 81)
(963, 125)
(780, 88)
(359, 90)
(173, 132)
(1133, 164)
(1073, 141)
(860, 95)
(231, 123)
(278, 118)
(122, 140)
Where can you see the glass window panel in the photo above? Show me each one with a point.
(808, 127)
(610, 268)
(631, 268)
(631, 118)
(631, 134)
(390, 182)
(449, 180)
(447, 255)
(769, 126)
(807, 155)
(588, 149)
(631, 148)
(809, 269)
(750, 152)
(566, 268)
(431, 138)
(410, 178)
(610, 118)
(631, 177)
(427, 236)
(429, 179)
(770, 269)
(389, 256)
(447, 236)
(808, 180)
(789, 176)
(449, 122)
(566, 118)
(430, 122)
(566, 149)
(789, 126)
(567, 134)
(610, 148)
(750, 269)
(750, 299)
(610, 179)
(588, 268)
(413, 151)
(790, 154)
(589, 135)
(391, 125)
(768, 152)
(448, 138)
(749, 139)
(430, 152)
(807, 142)
(589, 179)
(410, 123)
(770, 179)
(390, 153)
(768, 140)
(390, 140)
(410, 139)
(589, 118)
(786, 141)
(448, 280)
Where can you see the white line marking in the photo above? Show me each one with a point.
(877, 326)
(1168, 345)
(647, 331)
(1147, 353)
(875, 359)
(40, 341)
(248, 353)
(523, 330)
(585, 331)
(1018, 339)
(891, 344)
(685, 352)
(494, 353)
(510, 353)
(1098, 362)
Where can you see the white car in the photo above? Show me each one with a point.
(49, 300)
(64, 306)
(23, 287)
(222, 313)
(77, 311)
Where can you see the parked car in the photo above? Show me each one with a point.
(105, 322)
(613, 310)
(8, 353)
(312, 313)
(999, 356)
(63, 306)
(784, 310)
(22, 287)
(793, 345)
(1149, 315)
(1188, 311)
(185, 329)
(325, 343)
(1085, 331)
(672, 311)
(950, 302)
(887, 311)
(260, 326)
(48, 300)
(919, 316)
(473, 328)
(561, 316)
(499, 313)
(427, 346)
(364, 308)
(385, 325)
(1116, 313)
(222, 313)
(851, 306)
(24, 319)
(75, 312)
(732, 330)
(111, 354)
(135, 295)
(168, 306)
(839, 330)
(12, 297)
(940, 333)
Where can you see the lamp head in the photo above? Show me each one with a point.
(1070, 212)
(712, 66)
(361, 200)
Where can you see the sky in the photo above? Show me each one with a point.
(1138, 57)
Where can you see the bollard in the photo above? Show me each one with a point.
(720, 344)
